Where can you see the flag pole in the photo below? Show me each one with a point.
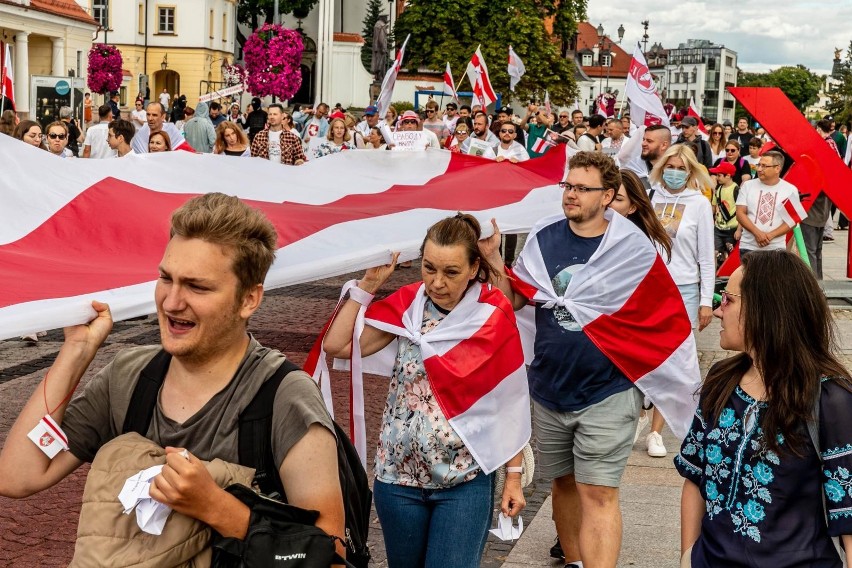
(621, 105)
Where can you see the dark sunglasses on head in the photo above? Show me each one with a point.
(55, 136)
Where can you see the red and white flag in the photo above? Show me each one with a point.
(477, 74)
(693, 111)
(516, 68)
(601, 107)
(7, 86)
(628, 305)
(76, 230)
(645, 105)
(389, 82)
(449, 84)
(473, 359)
(793, 212)
(541, 145)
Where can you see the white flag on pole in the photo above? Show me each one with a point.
(449, 84)
(386, 94)
(645, 105)
(516, 68)
(477, 73)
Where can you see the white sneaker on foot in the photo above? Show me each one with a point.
(643, 421)
(656, 449)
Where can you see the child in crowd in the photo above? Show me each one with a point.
(753, 157)
(725, 228)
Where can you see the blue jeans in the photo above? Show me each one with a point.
(430, 528)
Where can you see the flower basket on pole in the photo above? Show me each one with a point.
(105, 72)
(273, 54)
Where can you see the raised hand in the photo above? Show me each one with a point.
(375, 277)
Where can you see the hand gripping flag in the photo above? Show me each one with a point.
(6, 82)
(474, 363)
(449, 84)
(645, 106)
(477, 74)
(629, 306)
(386, 93)
(516, 68)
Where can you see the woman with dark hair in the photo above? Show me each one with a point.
(732, 155)
(717, 141)
(29, 131)
(159, 142)
(632, 202)
(767, 460)
(8, 122)
(433, 488)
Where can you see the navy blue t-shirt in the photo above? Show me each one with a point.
(569, 372)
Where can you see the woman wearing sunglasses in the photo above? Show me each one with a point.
(717, 141)
(732, 155)
(57, 139)
(767, 460)
(464, 126)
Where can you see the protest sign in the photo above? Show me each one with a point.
(409, 141)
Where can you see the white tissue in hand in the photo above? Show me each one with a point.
(151, 515)
(505, 529)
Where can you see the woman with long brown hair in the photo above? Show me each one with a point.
(632, 202)
(231, 140)
(717, 141)
(767, 460)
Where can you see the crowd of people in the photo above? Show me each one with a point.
(766, 460)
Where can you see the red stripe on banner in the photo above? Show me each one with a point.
(519, 286)
(475, 366)
(114, 233)
(390, 309)
(647, 329)
(791, 211)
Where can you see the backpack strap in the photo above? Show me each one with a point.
(144, 397)
(255, 434)
(813, 433)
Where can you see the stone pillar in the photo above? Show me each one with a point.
(22, 74)
(58, 68)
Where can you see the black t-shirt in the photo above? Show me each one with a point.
(569, 373)
(73, 137)
(743, 139)
(256, 121)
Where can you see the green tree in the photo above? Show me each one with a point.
(255, 13)
(450, 30)
(840, 96)
(799, 84)
(374, 10)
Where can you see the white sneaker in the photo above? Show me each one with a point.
(656, 449)
(643, 421)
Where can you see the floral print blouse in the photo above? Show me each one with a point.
(765, 508)
(328, 147)
(417, 446)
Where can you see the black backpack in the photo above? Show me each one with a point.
(255, 449)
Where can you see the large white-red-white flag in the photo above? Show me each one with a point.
(474, 360)
(477, 74)
(449, 84)
(628, 305)
(389, 82)
(646, 108)
(76, 230)
(516, 68)
(7, 86)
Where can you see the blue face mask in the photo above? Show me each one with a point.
(675, 179)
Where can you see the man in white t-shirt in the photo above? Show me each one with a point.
(138, 116)
(509, 148)
(761, 206)
(95, 145)
(164, 98)
(451, 116)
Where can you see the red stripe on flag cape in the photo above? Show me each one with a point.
(75, 230)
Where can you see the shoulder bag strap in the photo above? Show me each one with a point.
(144, 397)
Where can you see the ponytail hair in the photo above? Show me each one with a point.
(460, 229)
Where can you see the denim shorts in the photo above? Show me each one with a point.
(690, 295)
(593, 443)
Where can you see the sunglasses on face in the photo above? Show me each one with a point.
(506, 131)
(429, 111)
(730, 150)
(462, 132)
(409, 122)
(717, 133)
(55, 136)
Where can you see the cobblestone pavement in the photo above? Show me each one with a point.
(40, 531)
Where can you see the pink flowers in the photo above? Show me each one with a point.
(104, 74)
(233, 74)
(272, 55)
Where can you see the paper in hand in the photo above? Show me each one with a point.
(151, 515)
(506, 530)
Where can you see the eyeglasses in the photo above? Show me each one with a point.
(578, 188)
(563, 116)
(506, 131)
(731, 150)
(429, 111)
(55, 136)
(764, 166)
(726, 297)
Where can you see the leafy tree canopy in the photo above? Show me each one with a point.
(255, 13)
(799, 84)
(450, 30)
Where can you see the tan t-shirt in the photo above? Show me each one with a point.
(97, 415)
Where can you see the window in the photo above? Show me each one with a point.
(100, 12)
(606, 60)
(210, 25)
(729, 61)
(587, 59)
(224, 26)
(166, 20)
(141, 19)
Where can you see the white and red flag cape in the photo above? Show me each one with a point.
(630, 308)
(76, 230)
(516, 68)
(449, 84)
(645, 105)
(473, 360)
(477, 74)
(7, 87)
(389, 82)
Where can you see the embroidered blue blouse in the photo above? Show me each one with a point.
(764, 508)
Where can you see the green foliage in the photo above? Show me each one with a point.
(374, 10)
(255, 13)
(450, 30)
(840, 104)
(798, 83)
(402, 106)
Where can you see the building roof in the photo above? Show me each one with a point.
(348, 38)
(62, 8)
(587, 39)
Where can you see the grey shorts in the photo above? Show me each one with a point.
(593, 443)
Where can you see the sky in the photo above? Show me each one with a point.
(766, 34)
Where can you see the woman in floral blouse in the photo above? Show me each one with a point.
(337, 139)
(754, 482)
(433, 498)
